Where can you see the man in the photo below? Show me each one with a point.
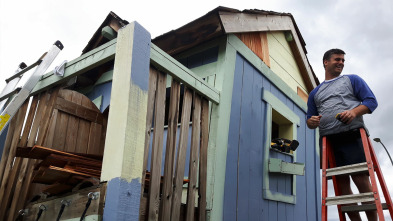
(350, 96)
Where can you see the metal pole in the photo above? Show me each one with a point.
(379, 141)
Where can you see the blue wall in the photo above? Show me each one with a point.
(243, 196)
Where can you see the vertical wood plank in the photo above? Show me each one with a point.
(149, 118)
(94, 139)
(73, 126)
(203, 159)
(43, 99)
(7, 147)
(44, 124)
(84, 130)
(22, 172)
(195, 138)
(11, 166)
(156, 156)
(61, 124)
(173, 117)
(181, 154)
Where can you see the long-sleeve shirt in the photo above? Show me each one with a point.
(337, 95)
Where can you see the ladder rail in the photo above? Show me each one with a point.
(382, 182)
(371, 166)
(377, 198)
(17, 101)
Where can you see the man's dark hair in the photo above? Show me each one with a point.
(329, 54)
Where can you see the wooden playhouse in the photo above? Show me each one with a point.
(173, 128)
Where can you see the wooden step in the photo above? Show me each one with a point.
(346, 199)
(350, 169)
(360, 208)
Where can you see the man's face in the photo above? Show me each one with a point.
(335, 64)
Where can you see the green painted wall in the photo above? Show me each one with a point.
(282, 61)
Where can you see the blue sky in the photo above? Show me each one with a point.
(361, 28)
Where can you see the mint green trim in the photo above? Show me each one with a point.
(166, 63)
(219, 129)
(280, 107)
(265, 70)
(86, 62)
(98, 102)
(105, 77)
(205, 70)
(108, 33)
(273, 102)
(279, 166)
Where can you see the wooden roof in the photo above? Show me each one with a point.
(114, 22)
(222, 20)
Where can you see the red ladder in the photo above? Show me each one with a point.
(371, 166)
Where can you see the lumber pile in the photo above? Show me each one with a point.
(62, 171)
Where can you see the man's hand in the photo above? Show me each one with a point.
(314, 121)
(349, 115)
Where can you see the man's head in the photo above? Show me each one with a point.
(333, 62)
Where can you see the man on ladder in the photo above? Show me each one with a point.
(350, 96)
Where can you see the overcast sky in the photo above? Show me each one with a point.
(363, 29)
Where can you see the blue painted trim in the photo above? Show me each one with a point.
(122, 200)
(141, 62)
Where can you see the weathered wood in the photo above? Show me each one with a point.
(74, 210)
(73, 126)
(84, 130)
(7, 147)
(62, 123)
(11, 167)
(168, 64)
(257, 42)
(157, 148)
(22, 172)
(149, 118)
(181, 154)
(173, 116)
(196, 134)
(80, 111)
(203, 159)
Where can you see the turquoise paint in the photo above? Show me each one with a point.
(122, 200)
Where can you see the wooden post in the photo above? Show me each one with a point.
(125, 137)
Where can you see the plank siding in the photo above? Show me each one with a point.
(243, 197)
(283, 61)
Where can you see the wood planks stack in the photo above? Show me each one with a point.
(61, 119)
(164, 201)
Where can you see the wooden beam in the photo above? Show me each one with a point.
(125, 137)
(84, 63)
(166, 63)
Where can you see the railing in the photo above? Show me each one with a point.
(162, 195)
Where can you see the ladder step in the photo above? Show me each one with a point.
(364, 207)
(350, 169)
(346, 199)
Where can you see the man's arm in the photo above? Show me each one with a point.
(349, 115)
(313, 122)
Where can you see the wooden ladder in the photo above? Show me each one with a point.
(371, 166)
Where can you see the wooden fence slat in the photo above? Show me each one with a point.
(173, 117)
(181, 154)
(84, 130)
(11, 166)
(158, 140)
(192, 175)
(44, 123)
(7, 147)
(203, 159)
(31, 141)
(73, 126)
(149, 118)
(22, 172)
